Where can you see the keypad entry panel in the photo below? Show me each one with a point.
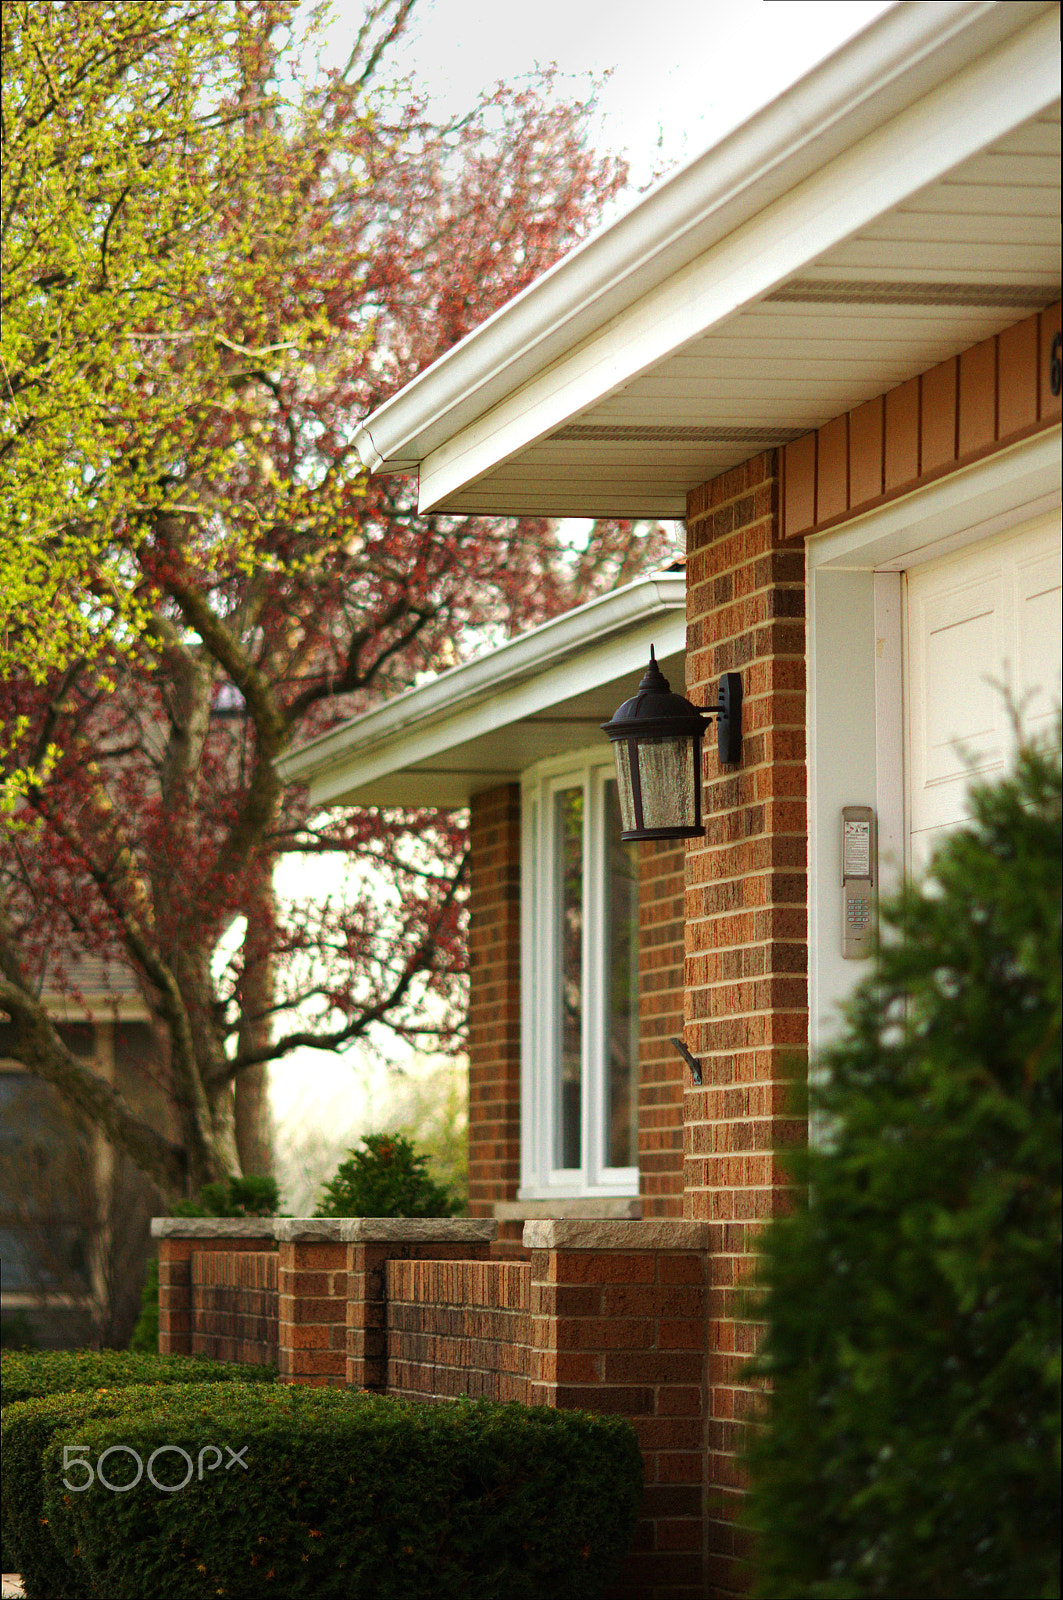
(859, 862)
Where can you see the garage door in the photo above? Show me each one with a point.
(982, 635)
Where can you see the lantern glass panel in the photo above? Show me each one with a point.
(622, 750)
(666, 775)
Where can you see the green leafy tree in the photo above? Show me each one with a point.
(912, 1298)
(387, 1177)
(137, 140)
(314, 241)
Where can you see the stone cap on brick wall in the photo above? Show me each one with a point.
(573, 1233)
(623, 1207)
(308, 1230)
(418, 1230)
(213, 1227)
(331, 1230)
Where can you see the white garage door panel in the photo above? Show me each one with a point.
(1041, 604)
(983, 634)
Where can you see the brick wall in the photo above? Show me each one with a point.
(746, 933)
(618, 1325)
(234, 1305)
(179, 1240)
(312, 1302)
(457, 1328)
(494, 998)
(661, 1068)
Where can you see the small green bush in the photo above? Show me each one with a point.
(343, 1494)
(913, 1307)
(28, 1374)
(385, 1178)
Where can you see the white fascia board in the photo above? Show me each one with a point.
(995, 94)
(900, 58)
(426, 714)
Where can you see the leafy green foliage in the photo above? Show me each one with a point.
(347, 1494)
(913, 1306)
(253, 1196)
(58, 1390)
(385, 1178)
(30, 1374)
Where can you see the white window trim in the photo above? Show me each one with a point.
(855, 720)
(540, 1179)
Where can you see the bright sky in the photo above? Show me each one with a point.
(684, 72)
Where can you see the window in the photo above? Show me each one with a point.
(579, 976)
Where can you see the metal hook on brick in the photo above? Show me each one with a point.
(691, 1061)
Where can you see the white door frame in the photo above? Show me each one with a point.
(855, 671)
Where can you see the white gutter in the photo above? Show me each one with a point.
(490, 675)
(898, 60)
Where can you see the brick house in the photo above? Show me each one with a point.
(831, 346)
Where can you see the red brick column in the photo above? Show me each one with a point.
(179, 1239)
(617, 1324)
(661, 1068)
(371, 1242)
(746, 933)
(312, 1301)
(494, 998)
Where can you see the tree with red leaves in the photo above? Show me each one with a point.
(275, 591)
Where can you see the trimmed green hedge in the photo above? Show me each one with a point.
(28, 1374)
(53, 1380)
(27, 1428)
(336, 1493)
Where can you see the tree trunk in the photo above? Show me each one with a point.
(254, 1129)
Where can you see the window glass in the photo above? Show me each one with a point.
(622, 998)
(568, 945)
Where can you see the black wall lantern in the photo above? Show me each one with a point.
(657, 737)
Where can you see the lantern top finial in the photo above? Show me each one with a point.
(655, 703)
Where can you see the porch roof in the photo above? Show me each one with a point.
(481, 724)
(898, 204)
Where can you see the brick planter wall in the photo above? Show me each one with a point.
(618, 1325)
(373, 1242)
(234, 1305)
(457, 1328)
(312, 1304)
(180, 1238)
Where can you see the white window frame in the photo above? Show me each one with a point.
(856, 733)
(540, 1179)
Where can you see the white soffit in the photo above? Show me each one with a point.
(895, 206)
(482, 724)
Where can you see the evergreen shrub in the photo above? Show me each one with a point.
(54, 1380)
(912, 1441)
(386, 1177)
(345, 1494)
(26, 1428)
(28, 1374)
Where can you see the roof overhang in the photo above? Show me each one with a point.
(482, 724)
(898, 204)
